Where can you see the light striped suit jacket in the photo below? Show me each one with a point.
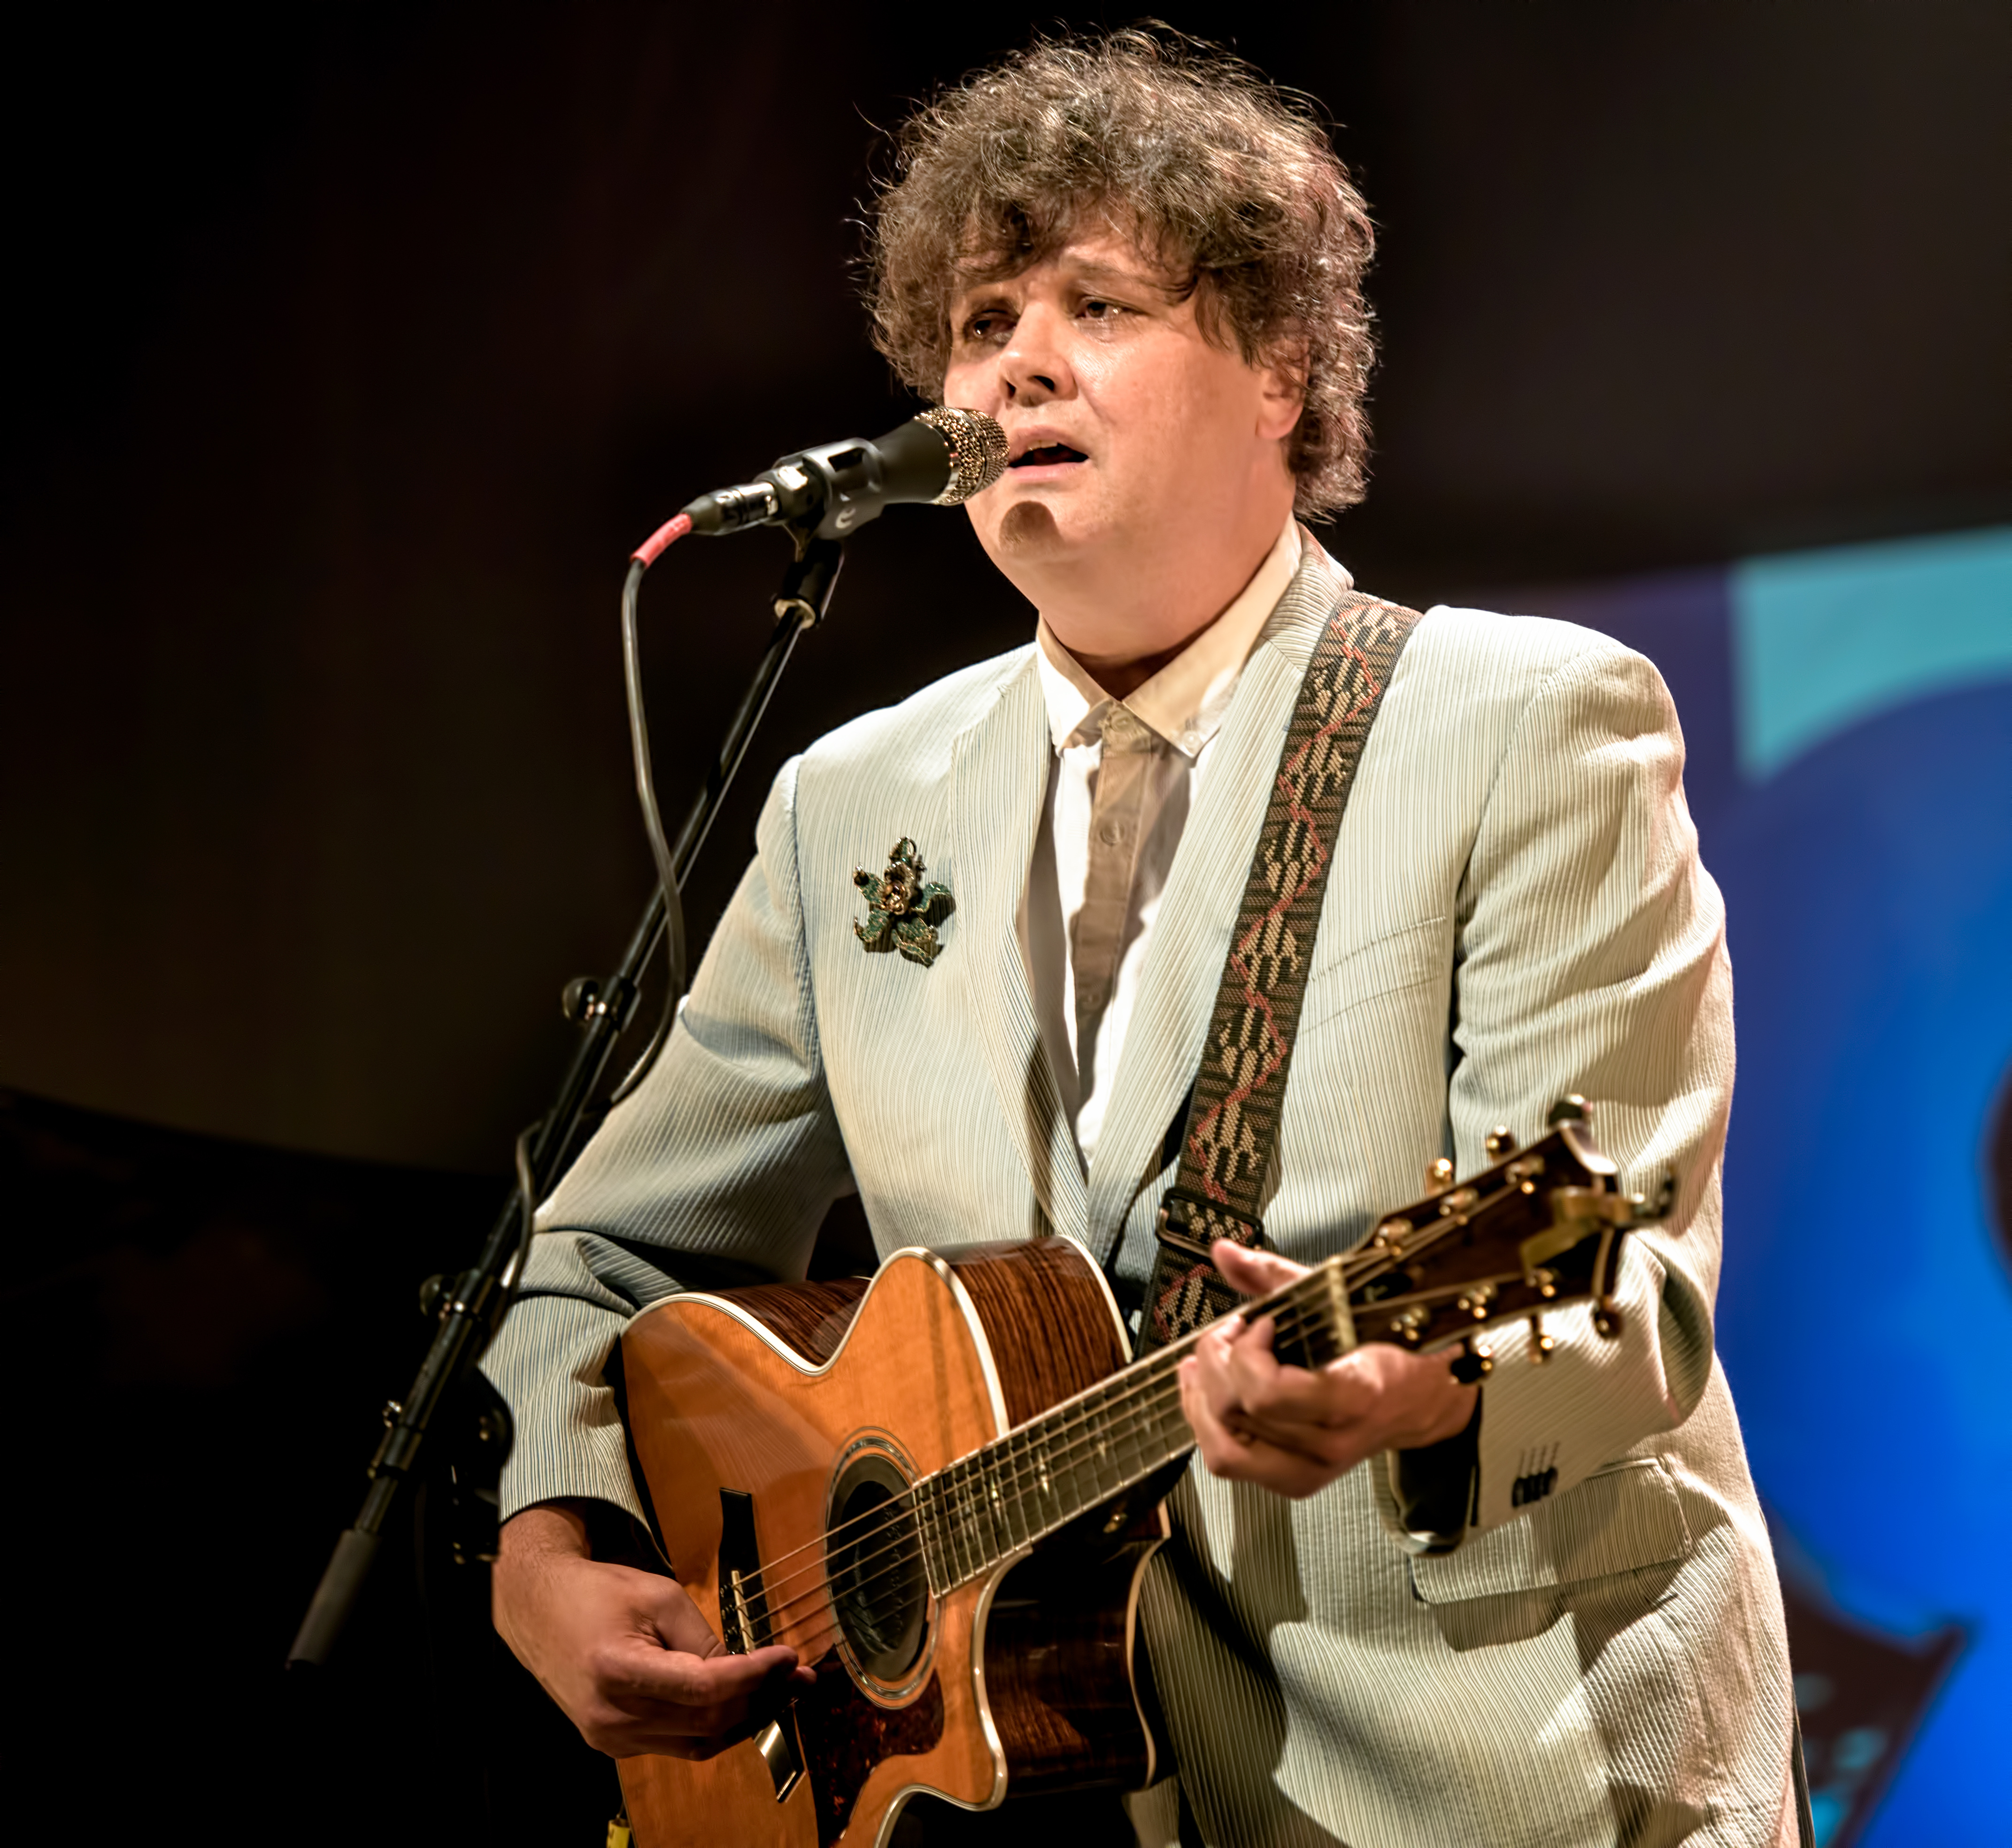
(1516, 911)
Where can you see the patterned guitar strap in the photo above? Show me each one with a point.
(1232, 1123)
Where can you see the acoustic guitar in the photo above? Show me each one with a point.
(942, 1488)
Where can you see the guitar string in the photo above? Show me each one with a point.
(1292, 1314)
(1293, 1308)
(875, 1597)
(909, 1545)
(894, 1515)
(1022, 1466)
(1147, 1371)
(1357, 1268)
(1296, 1306)
(890, 1508)
(829, 1623)
(890, 1512)
(910, 1542)
(1015, 1464)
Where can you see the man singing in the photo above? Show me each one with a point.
(1395, 1608)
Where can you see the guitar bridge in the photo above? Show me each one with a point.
(744, 1625)
(743, 1605)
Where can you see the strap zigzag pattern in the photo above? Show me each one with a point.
(1233, 1125)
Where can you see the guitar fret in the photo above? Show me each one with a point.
(1026, 1489)
(999, 1494)
(985, 1501)
(929, 1522)
(998, 1543)
(1140, 1428)
(1024, 1495)
(976, 1507)
(959, 1519)
(1106, 1456)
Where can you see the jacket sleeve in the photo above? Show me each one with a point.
(1591, 958)
(717, 1170)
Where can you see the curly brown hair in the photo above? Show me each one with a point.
(1226, 181)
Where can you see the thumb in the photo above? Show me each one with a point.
(678, 1621)
(1256, 1273)
(681, 1625)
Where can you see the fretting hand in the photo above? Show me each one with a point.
(1256, 1420)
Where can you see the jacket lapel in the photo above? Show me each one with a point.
(1183, 967)
(998, 782)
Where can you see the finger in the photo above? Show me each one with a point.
(1255, 1273)
(731, 1717)
(681, 1625)
(1284, 1397)
(1321, 1446)
(1248, 1393)
(1238, 1455)
(678, 1621)
(1214, 1436)
(1244, 1397)
(665, 1732)
(1253, 1370)
(1213, 1373)
(705, 1687)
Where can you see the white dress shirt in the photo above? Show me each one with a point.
(1122, 780)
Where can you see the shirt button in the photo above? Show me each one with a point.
(1114, 833)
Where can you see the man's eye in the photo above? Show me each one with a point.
(984, 327)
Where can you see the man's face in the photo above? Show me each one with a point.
(1128, 423)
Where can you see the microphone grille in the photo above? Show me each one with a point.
(978, 449)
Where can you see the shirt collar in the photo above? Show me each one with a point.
(1186, 702)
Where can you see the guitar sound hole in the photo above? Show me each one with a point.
(878, 1589)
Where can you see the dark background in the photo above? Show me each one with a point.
(351, 349)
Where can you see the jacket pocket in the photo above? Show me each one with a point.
(1622, 1518)
(1406, 958)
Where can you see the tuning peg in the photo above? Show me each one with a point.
(1499, 1142)
(1608, 1320)
(1474, 1300)
(1439, 1176)
(1474, 1362)
(1572, 1109)
(1542, 1346)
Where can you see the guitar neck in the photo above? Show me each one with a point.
(1538, 1231)
(981, 1510)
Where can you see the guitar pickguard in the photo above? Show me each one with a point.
(845, 1735)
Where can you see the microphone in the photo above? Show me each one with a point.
(943, 457)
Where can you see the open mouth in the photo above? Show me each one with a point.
(1048, 454)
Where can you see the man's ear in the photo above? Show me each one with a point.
(1282, 394)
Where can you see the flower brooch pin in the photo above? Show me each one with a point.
(902, 912)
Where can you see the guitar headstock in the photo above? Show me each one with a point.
(1540, 1230)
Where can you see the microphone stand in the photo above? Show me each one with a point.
(471, 1307)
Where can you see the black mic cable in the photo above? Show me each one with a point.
(940, 459)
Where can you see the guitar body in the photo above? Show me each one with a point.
(942, 1488)
(763, 1417)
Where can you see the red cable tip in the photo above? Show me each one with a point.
(668, 534)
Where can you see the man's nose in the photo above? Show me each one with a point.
(1034, 367)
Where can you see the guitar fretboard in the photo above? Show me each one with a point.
(983, 1509)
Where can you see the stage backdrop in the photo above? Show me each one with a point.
(1848, 718)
